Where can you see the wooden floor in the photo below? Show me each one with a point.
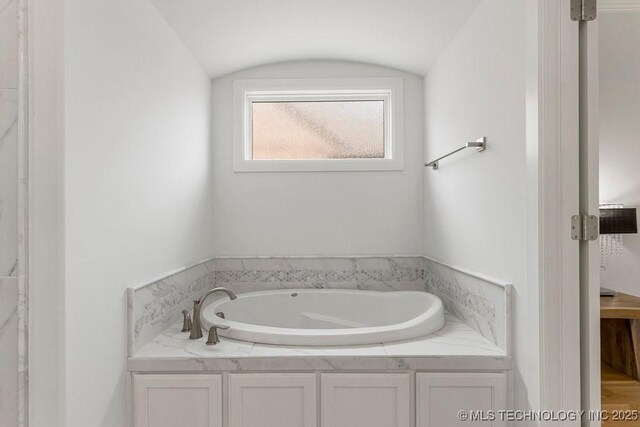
(619, 393)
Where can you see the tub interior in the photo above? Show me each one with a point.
(325, 309)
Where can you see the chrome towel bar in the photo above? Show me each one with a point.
(480, 145)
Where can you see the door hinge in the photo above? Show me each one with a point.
(584, 10)
(585, 227)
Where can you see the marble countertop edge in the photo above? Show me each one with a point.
(317, 363)
(455, 347)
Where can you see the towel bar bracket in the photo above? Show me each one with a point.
(480, 145)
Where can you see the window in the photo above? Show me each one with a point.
(318, 125)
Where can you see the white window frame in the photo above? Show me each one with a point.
(388, 90)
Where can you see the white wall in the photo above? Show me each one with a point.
(46, 214)
(619, 34)
(307, 213)
(137, 185)
(475, 205)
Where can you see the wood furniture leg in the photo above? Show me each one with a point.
(634, 326)
(620, 345)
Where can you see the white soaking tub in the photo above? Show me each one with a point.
(323, 317)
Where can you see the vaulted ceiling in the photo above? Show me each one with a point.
(229, 35)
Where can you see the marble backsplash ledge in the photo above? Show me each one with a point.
(380, 273)
(479, 301)
(153, 306)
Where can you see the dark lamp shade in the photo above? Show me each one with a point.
(618, 221)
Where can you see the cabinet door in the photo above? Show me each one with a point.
(440, 396)
(365, 400)
(272, 400)
(177, 400)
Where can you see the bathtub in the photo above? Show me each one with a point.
(326, 317)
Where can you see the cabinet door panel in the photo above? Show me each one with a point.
(440, 396)
(365, 400)
(272, 400)
(175, 400)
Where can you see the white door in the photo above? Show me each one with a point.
(441, 396)
(365, 400)
(177, 400)
(272, 400)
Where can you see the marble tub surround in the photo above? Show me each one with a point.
(155, 305)
(481, 302)
(9, 44)
(484, 304)
(456, 346)
(8, 351)
(8, 182)
(13, 208)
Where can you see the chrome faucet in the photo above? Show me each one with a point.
(196, 329)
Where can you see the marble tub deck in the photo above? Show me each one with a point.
(455, 347)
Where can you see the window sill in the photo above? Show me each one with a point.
(318, 165)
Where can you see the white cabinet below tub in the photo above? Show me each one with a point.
(272, 400)
(365, 400)
(440, 396)
(169, 400)
(308, 399)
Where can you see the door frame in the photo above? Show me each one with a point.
(553, 197)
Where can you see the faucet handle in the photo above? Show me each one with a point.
(186, 321)
(213, 338)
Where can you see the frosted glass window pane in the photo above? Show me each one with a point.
(318, 130)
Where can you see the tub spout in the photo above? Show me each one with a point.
(196, 329)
